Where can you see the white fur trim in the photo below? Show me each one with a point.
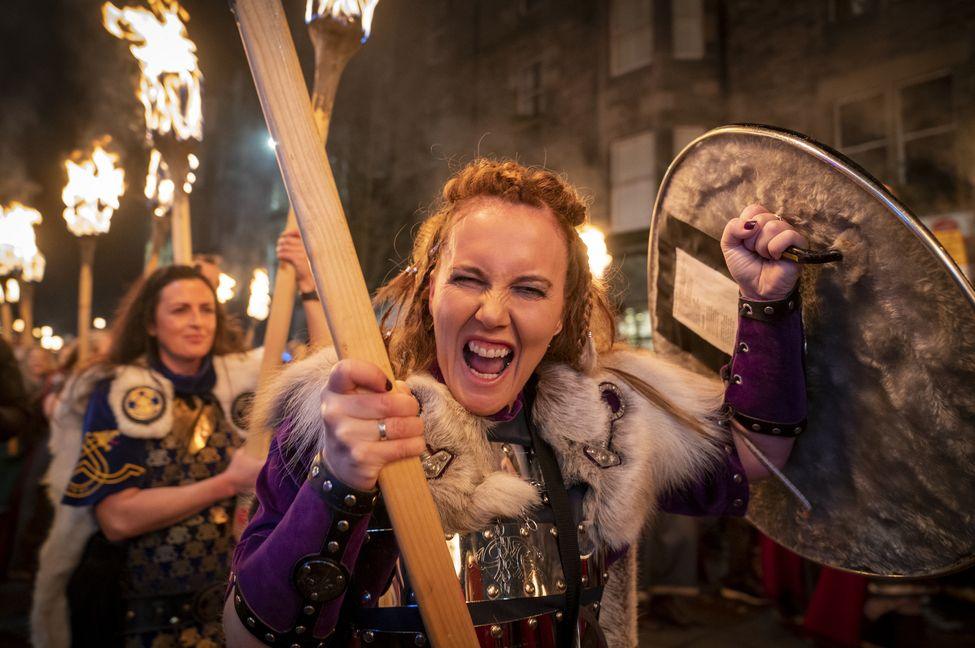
(129, 377)
(237, 373)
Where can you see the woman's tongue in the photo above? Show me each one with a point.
(484, 365)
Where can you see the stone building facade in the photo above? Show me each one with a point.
(610, 91)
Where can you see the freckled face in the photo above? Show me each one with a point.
(497, 298)
(185, 321)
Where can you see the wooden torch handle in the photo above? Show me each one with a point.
(314, 197)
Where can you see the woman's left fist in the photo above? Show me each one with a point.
(753, 245)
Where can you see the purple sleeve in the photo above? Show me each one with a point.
(723, 491)
(290, 524)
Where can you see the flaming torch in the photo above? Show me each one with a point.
(19, 256)
(170, 92)
(599, 256)
(91, 196)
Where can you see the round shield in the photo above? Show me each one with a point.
(888, 459)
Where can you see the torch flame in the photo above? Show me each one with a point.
(33, 268)
(160, 186)
(13, 291)
(343, 10)
(92, 193)
(259, 304)
(599, 257)
(18, 243)
(170, 85)
(225, 288)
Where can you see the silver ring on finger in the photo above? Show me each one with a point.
(382, 430)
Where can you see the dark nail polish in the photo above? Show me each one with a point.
(750, 225)
(389, 385)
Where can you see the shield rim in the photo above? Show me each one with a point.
(868, 183)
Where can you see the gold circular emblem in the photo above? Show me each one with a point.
(143, 404)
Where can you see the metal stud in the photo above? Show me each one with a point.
(581, 527)
(559, 583)
(308, 609)
(738, 502)
(496, 631)
(797, 430)
(306, 569)
(173, 620)
(343, 525)
(237, 600)
(736, 379)
(251, 622)
(776, 431)
(746, 309)
(349, 500)
(315, 471)
(558, 616)
(269, 638)
(368, 636)
(366, 598)
(743, 347)
(333, 546)
(791, 304)
(300, 629)
(523, 532)
(532, 623)
(295, 645)
(595, 606)
(419, 639)
(585, 579)
(605, 575)
(327, 486)
(529, 588)
(768, 310)
(493, 591)
(554, 532)
(756, 427)
(488, 534)
(313, 596)
(737, 478)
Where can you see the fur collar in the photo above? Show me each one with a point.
(657, 452)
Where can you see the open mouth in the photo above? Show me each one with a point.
(487, 360)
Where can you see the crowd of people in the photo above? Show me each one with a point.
(122, 478)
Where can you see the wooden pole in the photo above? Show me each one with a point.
(335, 44)
(27, 311)
(7, 321)
(157, 241)
(182, 235)
(314, 196)
(87, 244)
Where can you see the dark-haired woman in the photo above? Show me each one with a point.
(148, 499)
(546, 447)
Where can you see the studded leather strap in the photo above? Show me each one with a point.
(344, 499)
(769, 311)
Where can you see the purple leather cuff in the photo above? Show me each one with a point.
(766, 379)
(294, 560)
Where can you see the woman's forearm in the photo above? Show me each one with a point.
(135, 511)
(318, 334)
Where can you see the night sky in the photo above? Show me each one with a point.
(65, 81)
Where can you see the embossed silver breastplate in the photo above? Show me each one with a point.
(511, 560)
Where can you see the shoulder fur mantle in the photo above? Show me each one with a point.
(72, 526)
(657, 451)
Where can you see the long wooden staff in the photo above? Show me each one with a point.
(338, 277)
(336, 42)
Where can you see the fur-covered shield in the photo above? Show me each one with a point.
(889, 453)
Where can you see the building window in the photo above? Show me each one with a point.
(688, 29)
(528, 91)
(633, 181)
(684, 135)
(905, 135)
(630, 35)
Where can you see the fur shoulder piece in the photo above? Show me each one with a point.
(142, 402)
(609, 434)
(237, 375)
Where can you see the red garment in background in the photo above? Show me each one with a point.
(836, 605)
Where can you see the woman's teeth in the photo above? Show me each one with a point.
(488, 352)
(487, 361)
